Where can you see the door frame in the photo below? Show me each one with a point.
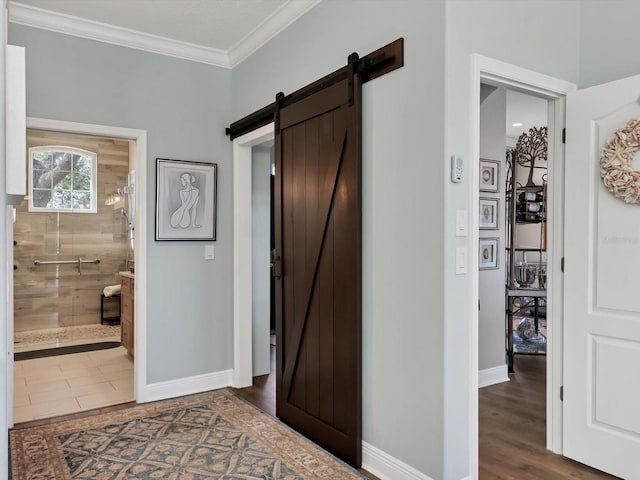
(242, 254)
(497, 73)
(139, 137)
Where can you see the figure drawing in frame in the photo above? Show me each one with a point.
(186, 215)
(186, 200)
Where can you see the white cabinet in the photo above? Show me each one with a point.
(15, 125)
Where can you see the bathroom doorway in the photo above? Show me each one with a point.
(73, 236)
(262, 392)
(254, 337)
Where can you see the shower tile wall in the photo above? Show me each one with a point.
(49, 296)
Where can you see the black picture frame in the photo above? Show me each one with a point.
(186, 200)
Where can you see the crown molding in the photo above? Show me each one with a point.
(102, 32)
(269, 28)
(79, 27)
(123, 37)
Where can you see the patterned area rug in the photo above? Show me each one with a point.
(209, 436)
(536, 344)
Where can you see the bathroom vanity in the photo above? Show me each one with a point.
(126, 310)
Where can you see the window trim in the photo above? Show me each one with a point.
(93, 156)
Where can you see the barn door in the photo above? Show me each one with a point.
(318, 299)
(602, 300)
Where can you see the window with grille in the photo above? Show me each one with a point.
(62, 179)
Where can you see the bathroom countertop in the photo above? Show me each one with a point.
(126, 274)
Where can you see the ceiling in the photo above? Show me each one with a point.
(218, 32)
(523, 111)
(526, 109)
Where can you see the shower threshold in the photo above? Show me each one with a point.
(31, 340)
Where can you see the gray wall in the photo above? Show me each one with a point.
(184, 107)
(261, 247)
(608, 39)
(402, 203)
(415, 336)
(509, 31)
(493, 127)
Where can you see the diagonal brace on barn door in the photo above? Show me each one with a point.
(319, 236)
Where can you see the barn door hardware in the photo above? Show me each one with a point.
(377, 63)
(354, 62)
(276, 115)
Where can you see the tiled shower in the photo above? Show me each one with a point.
(64, 260)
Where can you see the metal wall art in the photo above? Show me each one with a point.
(532, 147)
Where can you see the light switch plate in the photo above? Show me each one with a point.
(462, 221)
(209, 252)
(461, 261)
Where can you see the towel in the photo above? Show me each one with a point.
(112, 290)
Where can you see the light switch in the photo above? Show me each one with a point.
(461, 223)
(209, 252)
(461, 261)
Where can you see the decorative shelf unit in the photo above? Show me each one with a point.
(525, 292)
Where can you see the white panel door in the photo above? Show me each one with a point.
(602, 290)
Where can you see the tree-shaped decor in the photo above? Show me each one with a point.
(532, 147)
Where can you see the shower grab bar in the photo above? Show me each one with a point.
(60, 262)
(77, 262)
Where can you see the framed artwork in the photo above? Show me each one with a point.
(489, 213)
(488, 254)
(489, 175)
(185, 200)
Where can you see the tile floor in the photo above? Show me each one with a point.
(52, 386)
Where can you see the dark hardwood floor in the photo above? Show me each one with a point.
(262, 394)
(513, 429)
(512, 425)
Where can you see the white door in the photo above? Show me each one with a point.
(602, 289)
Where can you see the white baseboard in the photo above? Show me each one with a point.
(187, 386)
(386, 467)
(491, 376)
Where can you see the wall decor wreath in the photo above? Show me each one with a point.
(615, 164)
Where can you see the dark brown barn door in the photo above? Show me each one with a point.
(318, 291)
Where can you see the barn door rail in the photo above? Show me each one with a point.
(377, 63)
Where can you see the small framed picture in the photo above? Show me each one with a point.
(489, 175)
(488, 254)
(488, 213)
(185, 200)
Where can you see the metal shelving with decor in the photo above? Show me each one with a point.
(525, 292)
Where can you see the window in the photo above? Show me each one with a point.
(62, 179)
